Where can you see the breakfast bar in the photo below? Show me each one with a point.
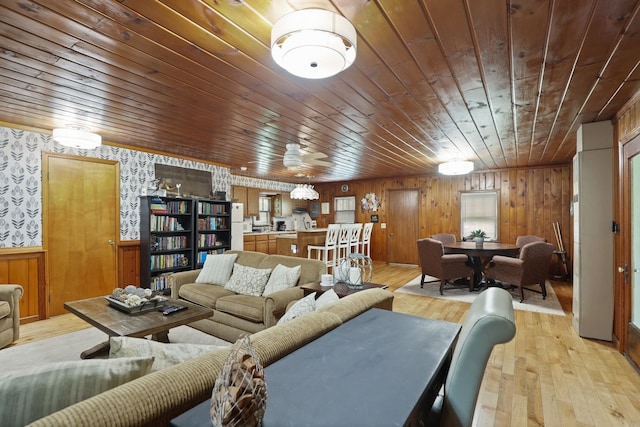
(295, 244)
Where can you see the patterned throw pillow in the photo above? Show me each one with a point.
(326, 298)
(248, 280)
(33, 393)
(282, 278)
(164, 354)
(217, 269)
(301, 307)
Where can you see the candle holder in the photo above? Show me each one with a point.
(355, 270)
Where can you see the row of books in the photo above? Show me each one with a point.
(205, 240)
(178, 207)
(213, 223)
(161, 262)
(202, 256)
(165, 223)
(211, 209)
(169, 242)
(159, 283)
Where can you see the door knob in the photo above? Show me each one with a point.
(111, 242)
(621, 269)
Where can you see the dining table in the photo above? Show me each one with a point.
(480, 255)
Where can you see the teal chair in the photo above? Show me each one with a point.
(488, 322)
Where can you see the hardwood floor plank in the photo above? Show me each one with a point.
(547, 375)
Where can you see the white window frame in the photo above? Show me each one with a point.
(479, 210)
(345, 209)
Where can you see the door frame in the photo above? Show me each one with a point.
(46, 155)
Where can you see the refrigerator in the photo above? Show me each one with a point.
(237, 232)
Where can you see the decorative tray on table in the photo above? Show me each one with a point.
(152, 303)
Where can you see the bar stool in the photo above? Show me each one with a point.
(330, 247)
(366, 239)
(344, 242)
(354, 238)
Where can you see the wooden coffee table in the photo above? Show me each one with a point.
(97, 312)
(342, 289)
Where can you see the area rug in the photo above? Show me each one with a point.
(533, 301)
(69, 346)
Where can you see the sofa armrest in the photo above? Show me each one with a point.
(180, 278)
(12, 294)
(275, 304)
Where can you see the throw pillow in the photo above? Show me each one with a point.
(247, 280)
(164, 355)
(301, 307)
(33, 393)
(282, 278)
(217, 269)
(326, 298)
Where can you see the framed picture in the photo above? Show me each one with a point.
(374, 218)
(325, 208)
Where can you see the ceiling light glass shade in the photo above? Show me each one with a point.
(292, 157)
(77, 138)
(313, 43)
(304, 192)
(455, 167)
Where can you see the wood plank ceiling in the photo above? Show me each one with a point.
(502, 83)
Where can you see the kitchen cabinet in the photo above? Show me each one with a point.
(250, 243)
(287, 206)
(265, 243)
(249, 197)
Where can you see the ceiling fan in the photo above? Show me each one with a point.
(295, 159)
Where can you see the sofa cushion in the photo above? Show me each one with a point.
(202, 294)
(33, 393)
(282, 278)
(248, 307)
(300, 308)
(312, 269)
(247, 280)
(164, 354)
(326, 298)
(217, 269)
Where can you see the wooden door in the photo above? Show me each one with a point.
(629, 262)
(81, 212)
(402, 226)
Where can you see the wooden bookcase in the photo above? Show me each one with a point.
(166, 239)
(213, 228)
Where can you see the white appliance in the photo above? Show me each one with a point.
(237, 222)
(592, 235)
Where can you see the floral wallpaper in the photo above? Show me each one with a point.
(21, 183)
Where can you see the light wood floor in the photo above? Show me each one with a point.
(547, 375)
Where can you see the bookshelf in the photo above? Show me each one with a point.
(213, 228)
(166, 239)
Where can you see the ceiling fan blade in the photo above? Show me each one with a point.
(312, 156)
(318, 162)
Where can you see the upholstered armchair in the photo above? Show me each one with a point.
(523, 240)
(435, 263)
(9, 313)
(530, 268)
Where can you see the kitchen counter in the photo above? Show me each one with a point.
(262, 233)
(295, 244)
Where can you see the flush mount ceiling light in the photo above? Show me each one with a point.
(457, 167)
(77, 138)
(313, 43)
(304, 192)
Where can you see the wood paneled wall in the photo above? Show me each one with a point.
(531, 200)
(129, 263)
(26, 267)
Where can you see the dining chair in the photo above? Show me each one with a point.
(445, 237)
(489, 321)
(529, 268)
(365, 241)
(327, 252)
(435, 263)
(523, 240)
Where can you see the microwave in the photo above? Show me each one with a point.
(247, 227)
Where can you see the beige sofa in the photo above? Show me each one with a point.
(156, 398)
(234, 314)
(9, 313)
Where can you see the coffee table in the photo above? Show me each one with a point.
(97, 312)
(342, 289)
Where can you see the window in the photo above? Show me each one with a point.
(345, 208)
(479, 211)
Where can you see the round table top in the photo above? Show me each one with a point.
(487, 248)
